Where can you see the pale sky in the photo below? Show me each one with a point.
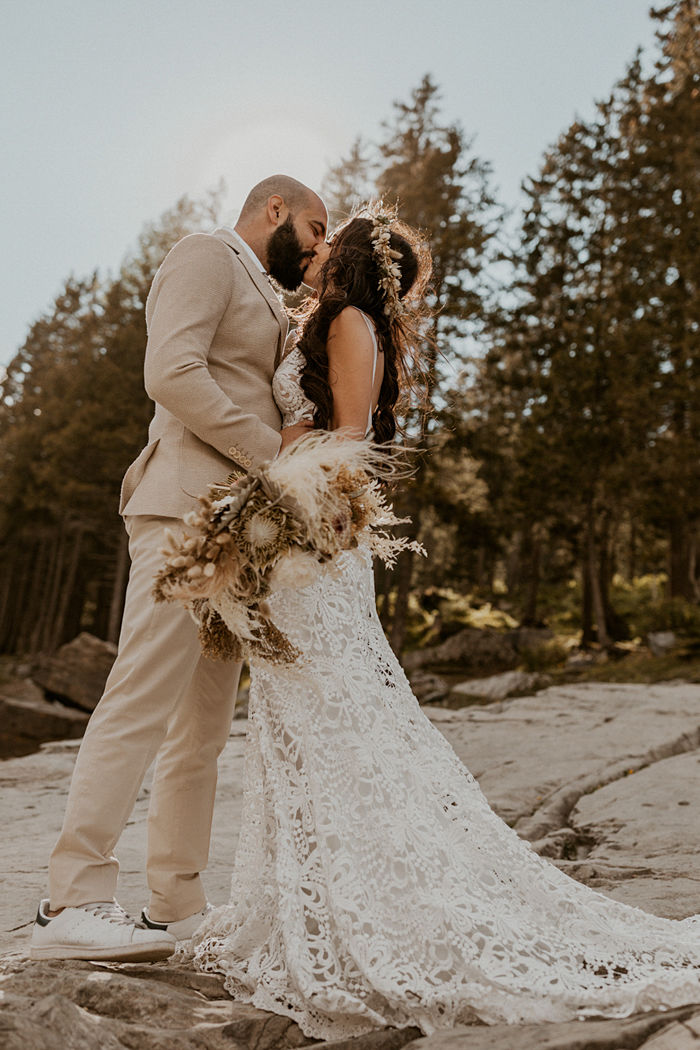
(112, 110)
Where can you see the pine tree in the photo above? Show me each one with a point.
(73, 414)
(427, 167)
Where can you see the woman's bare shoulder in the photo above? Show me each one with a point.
(349, 326)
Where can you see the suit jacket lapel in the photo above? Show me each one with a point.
(262, 283)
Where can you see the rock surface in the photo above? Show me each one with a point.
(645, 830)
(654, 1031)
(497, 686)
(428, 687)
(77, 672)
(661, 642)
(557, 765)
(92, 1006)
(478, 650)
(27, 718)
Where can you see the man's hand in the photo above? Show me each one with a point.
(291, 434)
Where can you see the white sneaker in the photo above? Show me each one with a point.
(102, 930)
(182, 929)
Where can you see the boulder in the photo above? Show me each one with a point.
(650, 1031)
(644, 831)
(428, 687)
(602, 778)
(661, 642)
(88, 1006)
(498, 686)
(77, 672)
(169, 1006)
(479, 650)
(580, 659)
(27, 718)
(55, 1005)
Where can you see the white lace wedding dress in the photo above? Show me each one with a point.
(373, 884)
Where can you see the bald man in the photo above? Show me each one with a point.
(216, 330)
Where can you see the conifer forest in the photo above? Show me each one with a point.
(557, 462)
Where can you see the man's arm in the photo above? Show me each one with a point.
(189, 297)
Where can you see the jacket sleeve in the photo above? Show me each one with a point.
(189, 296)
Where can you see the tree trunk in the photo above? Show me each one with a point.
(121, 576)
(41, 576)
(7, 576)
(587, 633)
(17, 605)
(532, 551)
(404, 572)
(632, 552)
(480, 569)
(681, 557)
(514, 563)
(53, 590)
(67, 590)
(693, 566)
(594, 577)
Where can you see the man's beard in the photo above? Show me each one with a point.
(285, 256)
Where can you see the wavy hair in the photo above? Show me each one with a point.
(351, 277)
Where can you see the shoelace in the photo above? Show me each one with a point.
(112, 912)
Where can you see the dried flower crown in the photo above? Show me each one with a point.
(386, 259)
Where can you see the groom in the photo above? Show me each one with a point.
(216, 331)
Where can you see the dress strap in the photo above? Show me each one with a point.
(372, 331)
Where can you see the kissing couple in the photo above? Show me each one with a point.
(373, 885)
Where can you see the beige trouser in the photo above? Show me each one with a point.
(162, 698)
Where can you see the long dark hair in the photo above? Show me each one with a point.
(351, 277)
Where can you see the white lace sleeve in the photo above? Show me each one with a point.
(287, 391)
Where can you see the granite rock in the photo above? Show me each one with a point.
(27, 718)
(497, 686)
(604, 779)
(478, 650)
(77, 672)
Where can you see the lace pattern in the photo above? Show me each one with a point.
(286, 383)
(373, 884)
(287, 392)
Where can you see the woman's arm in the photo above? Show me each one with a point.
(350, 362)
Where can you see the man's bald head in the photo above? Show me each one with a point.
(283, 221)
(295, 195)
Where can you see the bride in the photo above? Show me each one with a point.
(373, 885)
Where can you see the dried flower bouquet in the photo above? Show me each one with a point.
(277, 526)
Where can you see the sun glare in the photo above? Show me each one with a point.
(245, 152)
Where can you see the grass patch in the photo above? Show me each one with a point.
(544, 657)
(635, 668)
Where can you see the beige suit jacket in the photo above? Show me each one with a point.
(216, 331)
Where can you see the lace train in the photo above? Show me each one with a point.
(373, 885)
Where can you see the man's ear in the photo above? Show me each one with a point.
(277, 210)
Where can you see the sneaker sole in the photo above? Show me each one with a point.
(126, 953)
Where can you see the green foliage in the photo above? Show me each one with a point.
(73, 415)
(637, 667)
(673, 614)
(437, 613)
(561, 474)
(543, 657)
(427, 166)
(588, 399)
